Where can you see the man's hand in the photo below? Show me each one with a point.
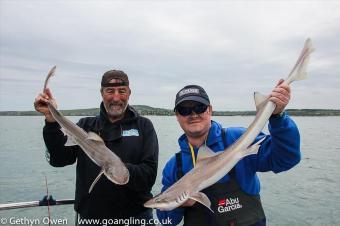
(40, 104)
(280, 96)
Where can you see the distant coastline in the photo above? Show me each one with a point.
(147, 110)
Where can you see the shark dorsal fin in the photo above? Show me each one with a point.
(203, 199)
(254, 148)
(205, 152)
(70, 139)
(95, 137)
(259, 100)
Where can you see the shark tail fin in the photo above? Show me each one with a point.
(203, 199)
(299, 71)
(96, 180)
(49, 75)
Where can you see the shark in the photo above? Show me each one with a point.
(212, 166)
(91, 143)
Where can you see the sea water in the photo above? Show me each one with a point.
(308, 194)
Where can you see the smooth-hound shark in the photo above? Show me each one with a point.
(210, 166)
(92, 144)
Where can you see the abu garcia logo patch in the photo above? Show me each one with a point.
(130, 133)
(227, 205)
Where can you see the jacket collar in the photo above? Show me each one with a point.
(214, 137)
(113, 131)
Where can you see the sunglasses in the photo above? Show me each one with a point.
(185, 111)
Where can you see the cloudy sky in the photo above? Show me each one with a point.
(231, 48)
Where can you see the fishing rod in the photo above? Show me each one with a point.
(47, 200)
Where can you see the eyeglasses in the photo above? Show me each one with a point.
(185, 111)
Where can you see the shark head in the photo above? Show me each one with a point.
(117, 174)
(170, 200)
(163, 202)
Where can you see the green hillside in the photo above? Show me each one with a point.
(147, 110)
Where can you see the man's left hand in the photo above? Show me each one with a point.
(280, 96)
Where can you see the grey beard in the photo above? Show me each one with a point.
(116, 114)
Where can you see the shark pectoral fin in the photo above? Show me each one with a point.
(253, 149)
(96, 180)
(95, 137)
(203, 199)
(205, 152)
(259, 100)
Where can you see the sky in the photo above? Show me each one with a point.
(230, 48)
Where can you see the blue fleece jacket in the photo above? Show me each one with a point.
(280, 151)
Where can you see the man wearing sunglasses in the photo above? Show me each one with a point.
(235, 199)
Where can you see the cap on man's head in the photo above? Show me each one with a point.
(193, 93)
(114, 74)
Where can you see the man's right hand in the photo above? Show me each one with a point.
(40, 104)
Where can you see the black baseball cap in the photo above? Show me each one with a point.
(194, 93)
(114, 74)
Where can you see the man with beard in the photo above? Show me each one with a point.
(129, 135)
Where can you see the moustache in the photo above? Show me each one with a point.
(116, 104)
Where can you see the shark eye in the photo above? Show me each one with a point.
(157, 200)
